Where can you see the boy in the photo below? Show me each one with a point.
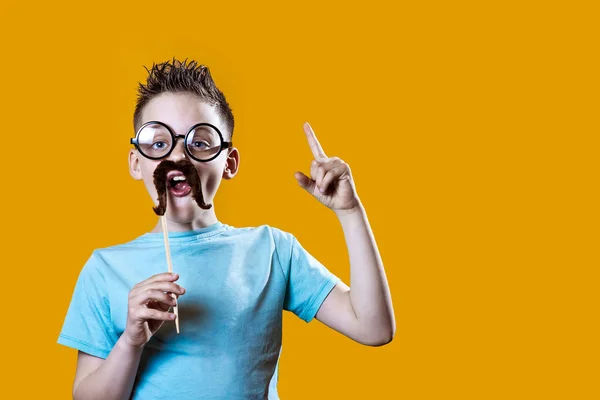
(231, 283)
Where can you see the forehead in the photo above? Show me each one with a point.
(180, 111)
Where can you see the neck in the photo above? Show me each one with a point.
(204, 219)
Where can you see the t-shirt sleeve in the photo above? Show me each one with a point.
(88, 326)
(308, 281)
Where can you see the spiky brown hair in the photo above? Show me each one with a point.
(177, 76)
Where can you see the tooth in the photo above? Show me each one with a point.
(179, 178)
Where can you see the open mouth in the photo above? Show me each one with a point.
(179, 179)
(178, 184)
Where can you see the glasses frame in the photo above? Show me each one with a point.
(135, 141)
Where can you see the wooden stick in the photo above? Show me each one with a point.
(163, 221)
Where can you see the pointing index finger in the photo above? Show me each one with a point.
(313, 142)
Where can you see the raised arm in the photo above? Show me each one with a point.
(363, 311)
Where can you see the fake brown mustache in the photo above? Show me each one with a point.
(191, 177)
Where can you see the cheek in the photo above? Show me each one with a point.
(148, 174)
(210, 176)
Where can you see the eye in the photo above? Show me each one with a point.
(200, 145)
(159, 145)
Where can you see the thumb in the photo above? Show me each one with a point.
(304, 181)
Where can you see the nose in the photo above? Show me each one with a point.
(178, 152)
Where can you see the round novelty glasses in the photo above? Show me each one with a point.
(203, 141)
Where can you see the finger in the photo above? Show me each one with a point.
(158, 305)
(313, 142)
(314, 167)
(331, 176)
(145, 314)
(170, 301)
(152, 294)
(162, 286)
(165, 276)
(322, 169)
(305, 182)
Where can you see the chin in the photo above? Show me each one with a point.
(182, 210)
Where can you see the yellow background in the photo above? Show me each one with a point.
(471, 129)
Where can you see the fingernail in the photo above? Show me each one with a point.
(172, 316)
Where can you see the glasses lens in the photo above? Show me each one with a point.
(204, 142)
(155, 140)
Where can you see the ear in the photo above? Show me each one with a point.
(134, 165)
(232, 164)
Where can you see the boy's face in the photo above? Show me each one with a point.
(180, 111)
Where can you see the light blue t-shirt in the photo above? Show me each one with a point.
(237, 280)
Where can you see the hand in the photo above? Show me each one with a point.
(149, 303)
(330, 179)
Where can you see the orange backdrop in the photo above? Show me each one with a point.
(471, 129)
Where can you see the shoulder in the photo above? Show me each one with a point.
(103, 262)
(281, 241)
(94, 270)
(279, 236)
